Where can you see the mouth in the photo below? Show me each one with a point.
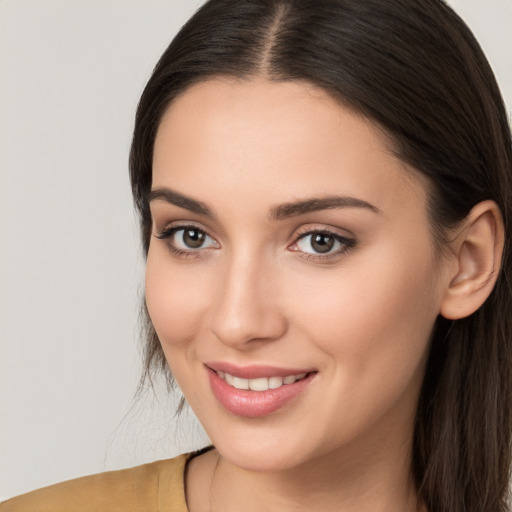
(260, 383)
(256, 391)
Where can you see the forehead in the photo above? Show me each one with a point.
(277, 141)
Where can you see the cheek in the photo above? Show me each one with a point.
(376, 316)
(176, 298)
(373, 322)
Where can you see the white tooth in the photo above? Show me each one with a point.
(275, 382)
(239, 383)
(260, 384)
(289, 379)
(300, 376)
(229, 378)
(221, 374)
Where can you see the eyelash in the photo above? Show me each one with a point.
(346, 243)
(167, 234)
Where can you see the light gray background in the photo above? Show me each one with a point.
(71, 72)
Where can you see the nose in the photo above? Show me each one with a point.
(246, 310)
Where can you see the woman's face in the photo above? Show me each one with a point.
(290, 253)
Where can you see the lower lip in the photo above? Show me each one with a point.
(253, 404)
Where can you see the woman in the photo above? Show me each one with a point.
(324, 194)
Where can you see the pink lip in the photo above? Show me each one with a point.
(254, 404)
(255, 371)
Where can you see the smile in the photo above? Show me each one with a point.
(256, 391)
(261, 383)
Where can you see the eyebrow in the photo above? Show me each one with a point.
(171, 196)
(280, 212)
(294, 209)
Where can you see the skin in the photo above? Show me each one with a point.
(257, 293)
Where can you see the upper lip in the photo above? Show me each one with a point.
(255, 371)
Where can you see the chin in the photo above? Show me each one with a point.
(262, 455)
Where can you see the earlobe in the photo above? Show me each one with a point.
(477, 249)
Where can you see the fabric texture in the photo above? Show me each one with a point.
(158, 486)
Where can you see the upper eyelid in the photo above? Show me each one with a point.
(316, 228)
(297, 233)
(348, 240)
(181, 225)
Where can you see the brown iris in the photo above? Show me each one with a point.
(193, 238)
(322, 242)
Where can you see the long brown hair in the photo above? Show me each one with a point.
(414, 68)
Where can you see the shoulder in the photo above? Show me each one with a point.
(146, 488)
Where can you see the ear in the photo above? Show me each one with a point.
(477, 250)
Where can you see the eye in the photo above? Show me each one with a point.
(186, 239)
(323, 243)
(192, 238)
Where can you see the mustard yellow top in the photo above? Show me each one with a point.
(158, 486)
